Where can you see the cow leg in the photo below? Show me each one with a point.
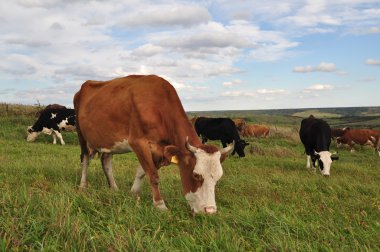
(59, 135)
(308, 162)
(54, 138)
(106, 159)
(85, 161)
(145, 158)
(136, 187)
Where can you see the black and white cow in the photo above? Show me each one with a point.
(51, 122)
(315, 135)
(223, 129)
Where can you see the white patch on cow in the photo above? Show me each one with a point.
(325, 157)
(118, 148)
(53, 115)
(63, 123)
(47, 131)
(209, 167)
(308, 162)
(105, 150)
(369, 142)
(136, 187)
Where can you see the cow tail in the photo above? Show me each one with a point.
(82, 141)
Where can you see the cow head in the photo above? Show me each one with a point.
(31, 134)
(325, 159)
(200, 170)
(239, 147)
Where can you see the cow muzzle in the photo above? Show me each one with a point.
(210, 210)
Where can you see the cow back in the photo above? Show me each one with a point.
(131, 107)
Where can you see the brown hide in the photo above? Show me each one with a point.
(255, 131)
(240, 123)
(50, 106)
(145, 111)
(192, 120)
(336, 132)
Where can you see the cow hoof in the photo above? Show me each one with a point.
(114, 188)
(135, 190)
(160, 205)
(82, 187)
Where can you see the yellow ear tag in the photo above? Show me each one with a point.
(174, 160)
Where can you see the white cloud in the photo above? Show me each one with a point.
(147, 50)
(318, 88)
(322, 67)
(271, 91)
(263, 93)
(373, 62)
(374, 30)
(231, 83)
(166, 15)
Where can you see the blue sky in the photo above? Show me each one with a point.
(219, 55)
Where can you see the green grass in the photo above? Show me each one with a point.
(266, 201)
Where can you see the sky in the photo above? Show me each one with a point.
(219, 55)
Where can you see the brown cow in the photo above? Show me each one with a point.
(50, 106)
(360, 136)
(143, 114)
(240, 123)
(336, 132)
(255, 131)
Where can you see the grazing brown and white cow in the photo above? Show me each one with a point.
(360, 136)
(143, 114)
(253, 130)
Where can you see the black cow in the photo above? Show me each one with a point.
(222, 129)
(51, 122)
(315, 135)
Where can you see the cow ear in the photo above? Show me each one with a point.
(317, 156)
(333, 158)
(170, 153)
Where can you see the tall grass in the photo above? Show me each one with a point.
(266, 201)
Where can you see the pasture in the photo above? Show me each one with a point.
(266, 201)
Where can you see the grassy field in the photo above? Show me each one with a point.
(266, 201)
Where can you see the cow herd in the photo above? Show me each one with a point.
(143, 114)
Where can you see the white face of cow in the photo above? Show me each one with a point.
(32, 135)
(325, 157)
(207, 170)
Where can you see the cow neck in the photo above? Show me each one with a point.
(181, 131)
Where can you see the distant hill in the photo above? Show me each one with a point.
(355, 117)
(337, 112)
